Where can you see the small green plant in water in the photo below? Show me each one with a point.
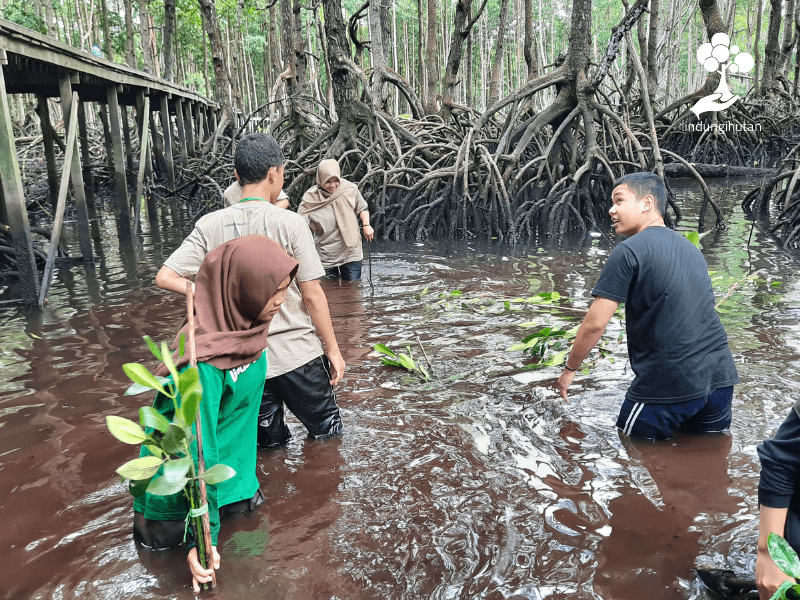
(548, 338)
(786, 558)
(405, 361)
(168, 442)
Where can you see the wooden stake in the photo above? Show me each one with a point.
(201, 466)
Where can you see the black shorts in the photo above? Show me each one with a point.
(308, 394)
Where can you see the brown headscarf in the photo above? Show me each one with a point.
(232, 287)
(343, 199)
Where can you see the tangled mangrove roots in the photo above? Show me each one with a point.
(753, 132)
(40, 237)
(780, 197)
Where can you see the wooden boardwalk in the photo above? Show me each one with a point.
(170, 118)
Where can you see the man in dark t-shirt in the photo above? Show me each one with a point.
(677, 346)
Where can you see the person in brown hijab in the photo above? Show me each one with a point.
(239, 289)
(330, 208)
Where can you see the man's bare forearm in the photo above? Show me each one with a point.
(167, 279)
(317, 305)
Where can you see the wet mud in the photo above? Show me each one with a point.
(478, 484)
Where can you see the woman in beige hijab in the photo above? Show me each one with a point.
(330, 208)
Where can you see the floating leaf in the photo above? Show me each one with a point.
(139, 374)
(125, 430)
(783, 555)
(177, 469)
(163, 487)
(217, 474)
(776, 283)
(140, 468)
(36, 337)
(153, 348)
(150, 417)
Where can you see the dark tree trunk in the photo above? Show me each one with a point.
(169, 44)
(494, 84)
(462, 26)
(107, 31)
(652, 56)
(147, 43)
(772, 48)
(528, 47)
(130, 56)
(221, 83)
(431, 51)
(789, 37)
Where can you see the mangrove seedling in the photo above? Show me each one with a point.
(537, 344)
(786, 558)
(167, 466)
(405, 361)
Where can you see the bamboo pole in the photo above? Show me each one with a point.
(58, 218)
(201, 466)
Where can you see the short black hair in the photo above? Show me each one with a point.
(644, 184)
(256, 154)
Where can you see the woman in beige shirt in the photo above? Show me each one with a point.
(330, 208)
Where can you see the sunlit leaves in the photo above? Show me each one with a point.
(140, 468)
(125, 430)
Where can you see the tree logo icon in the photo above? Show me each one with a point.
(715, 56)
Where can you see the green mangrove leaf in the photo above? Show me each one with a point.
(191, 394)
(137, 488)
(776, 283)
(163, 487)
(217, 474)
(125, 430)
(136, 388)
(391, 363)
(456, 293)
(153, 348)
(793, 592)
(177, 469)
(150, 417)
(780, 593)
(173, 439)
(140, 468)
(383, 349)
(407, 362)
(139, 374)
(182, 344)
(783, 555)
(154, 449)
(423, 292)
(558, 358)
(167, 357)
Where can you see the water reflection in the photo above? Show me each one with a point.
(478, 484)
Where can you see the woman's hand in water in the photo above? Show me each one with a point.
(199, 574)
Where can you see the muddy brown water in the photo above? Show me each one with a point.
(477, 485)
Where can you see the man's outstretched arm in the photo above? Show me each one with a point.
(593, 326)
(167, 279)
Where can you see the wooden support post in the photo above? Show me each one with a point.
(189, 123)
(120, 177)
(58, 218)
(166, 127)
(14, 200)
(86, 161)
(206, 123)
(181, 132)
(126, 134)
(109, 145)
(155, 143)
(214, 120)
(143, 154)
(198, 124)
(141, 122)
(43, 110)
(78, 189)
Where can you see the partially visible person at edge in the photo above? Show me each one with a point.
(240, 287)
(778, 500)
(678, 349)
(300, 374)
(330, 207)
(233, 195)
